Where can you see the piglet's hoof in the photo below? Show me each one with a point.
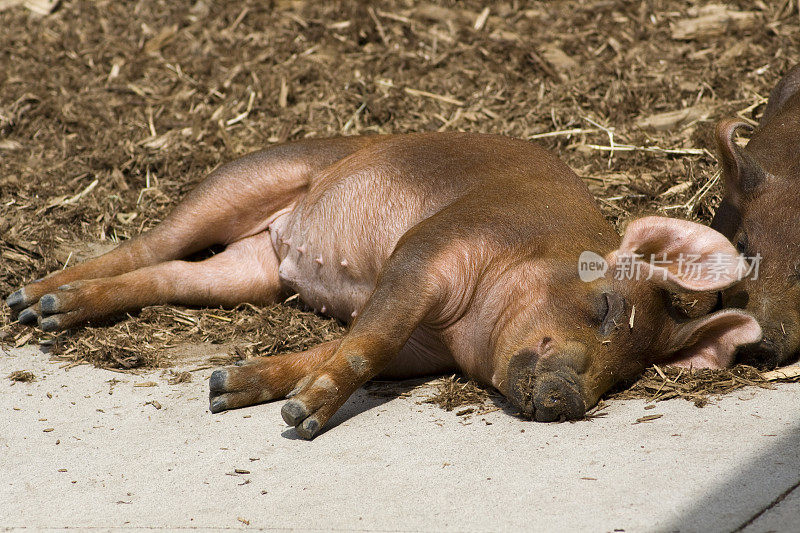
(233, 387)
(28, 316)
(218, 400)
(16, 300)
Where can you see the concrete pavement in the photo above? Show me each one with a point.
(86, 447)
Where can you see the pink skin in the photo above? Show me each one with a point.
(452, 251)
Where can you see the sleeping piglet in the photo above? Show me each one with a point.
(761, 214)
(444, 251)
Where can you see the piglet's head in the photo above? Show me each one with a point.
(602, 330)
(760, 214)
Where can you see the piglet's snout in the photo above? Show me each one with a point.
(547, 387)
(557, 396)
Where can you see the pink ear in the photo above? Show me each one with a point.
(711, 341)
(677, 255)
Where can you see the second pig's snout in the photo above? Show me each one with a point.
(763, 354)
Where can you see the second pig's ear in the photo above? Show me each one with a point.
(785, 89)
(742, 173)
(711, 341)
(676, 255)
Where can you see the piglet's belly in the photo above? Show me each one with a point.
(337, 276)
(317, 271)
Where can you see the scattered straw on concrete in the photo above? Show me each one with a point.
(22, 376)
(454, 392)
(699, 386)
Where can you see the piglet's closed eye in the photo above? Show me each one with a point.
(614, 311)
(679, 255)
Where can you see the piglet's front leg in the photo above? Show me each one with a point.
(319, 381)
(399, 304)
(376, 338)
(410, 292)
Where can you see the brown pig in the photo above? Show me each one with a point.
(761, 214)
(445, 250)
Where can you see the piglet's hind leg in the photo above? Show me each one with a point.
(235, 201)
(246, 271)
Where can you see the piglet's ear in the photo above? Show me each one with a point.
(677, 255)
(711, 341)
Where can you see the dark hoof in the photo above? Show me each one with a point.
(218, 380)
(557, 396)
(48, 303)
(16, 300)
(28, 316)
(308, 429)
(50, 324)
(218, 404)
(294, 412)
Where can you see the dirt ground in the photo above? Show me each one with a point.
(111, 111)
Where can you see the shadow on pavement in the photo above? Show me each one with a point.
(371, 395)
(753, 490)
